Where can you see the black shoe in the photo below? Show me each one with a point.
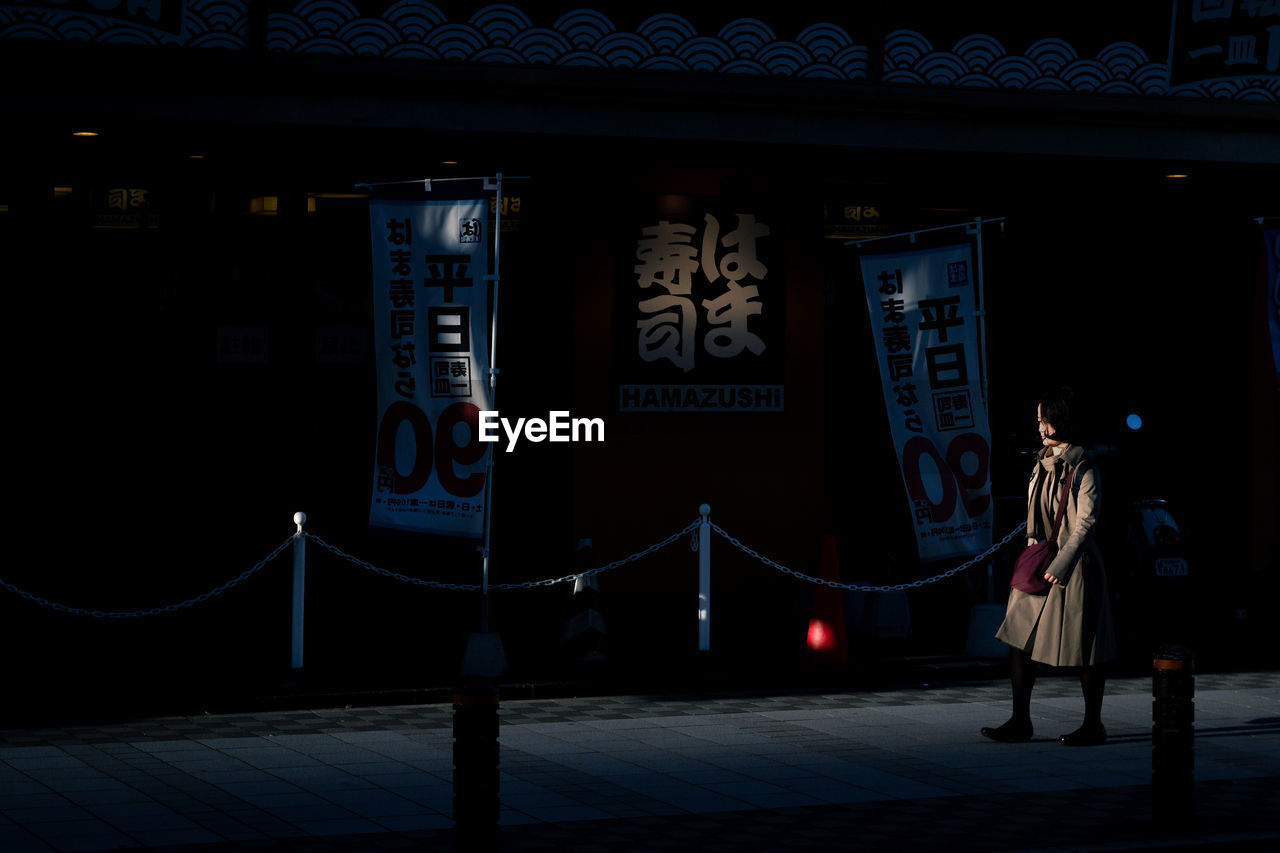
(1010, 732)
(1085, 736)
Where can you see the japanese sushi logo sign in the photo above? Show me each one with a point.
(700, 319)
(430, 266)
(922, 312)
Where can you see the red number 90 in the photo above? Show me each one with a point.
(446, 449)
(952, 477)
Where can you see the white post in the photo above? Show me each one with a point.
(704, 579)
(299, 584)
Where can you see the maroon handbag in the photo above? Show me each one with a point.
(1033, 562)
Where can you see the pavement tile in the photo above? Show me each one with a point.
(220, 743)
(160, 837)
(382, 767)
(244, 774)
(162, 746)
(59, 761)
(279, 804)
(12, 752)
(796, 759)
(59, 812)
(323, 778)
(310, 813)
(337, 826)
(35, 797)
(259, 787)
(373, 803)
(104, 796)
(15, 839)
(267, 758)
(81, 835)
(557, 814)
(415, 822)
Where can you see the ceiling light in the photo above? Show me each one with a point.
(84, 132)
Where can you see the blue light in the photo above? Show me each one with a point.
(1134, 421)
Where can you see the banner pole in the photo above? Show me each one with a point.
(496, 278)
(982, 316)
(982, 360)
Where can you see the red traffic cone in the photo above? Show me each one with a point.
(826, 641)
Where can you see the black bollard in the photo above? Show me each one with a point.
(1172, 738)
(475, 766)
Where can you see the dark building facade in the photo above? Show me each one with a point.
(190, 353)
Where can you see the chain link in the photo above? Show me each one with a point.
(657, 546)
(869, 587)
(471, 587)
(386, 573)
(154, 611)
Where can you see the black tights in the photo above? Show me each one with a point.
(1092, 681)
(1022, 672)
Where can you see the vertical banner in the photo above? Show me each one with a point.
(700, 311)
(923, 316)
(430, 298)
(1271, 239)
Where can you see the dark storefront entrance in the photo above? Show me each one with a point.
(191, 288)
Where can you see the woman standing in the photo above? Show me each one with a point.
(1070, 625)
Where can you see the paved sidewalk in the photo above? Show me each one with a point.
(902, 769)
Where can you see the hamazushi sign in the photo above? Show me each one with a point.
(699, 315)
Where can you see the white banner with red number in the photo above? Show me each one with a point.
(431, 344)
(923, 315)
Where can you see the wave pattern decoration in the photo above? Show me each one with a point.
(584, 27)
(587, 38)
(1260, 90)
(205, 23)
(666, 32)
(541, 46)
(581, 38)
(824, 41)
(413, 21)
(1048, 65)
(500, 24)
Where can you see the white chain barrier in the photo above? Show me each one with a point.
(154, 611)
(860, 587)
(471, 587)
(691, 528)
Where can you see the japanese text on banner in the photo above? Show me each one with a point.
(430, 265)
(924, 320)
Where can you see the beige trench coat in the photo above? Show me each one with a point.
(1071, 625)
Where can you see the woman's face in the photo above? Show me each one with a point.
(1046, 429)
